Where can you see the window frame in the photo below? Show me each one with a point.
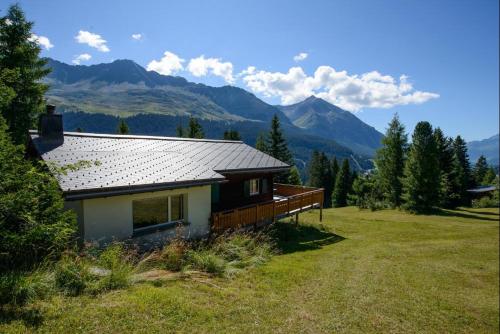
(256, 191)
(169, 222)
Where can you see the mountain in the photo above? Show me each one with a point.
(95, 97)
(488, 147)
(319, 117)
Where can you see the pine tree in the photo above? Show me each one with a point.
(422, 181)
(390, 161)
(261, 144)
(315, 170)
(461, 174)
(294, 177)
(444, 147)
(122, 127)
(335, 170)
(194, 129)
(19, 57)
(339, 196)
(179, 131)
(489, 177)
(277, 148)
(320, 175)
(232, 135)
(480, 170)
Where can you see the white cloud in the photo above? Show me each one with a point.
(300, 57)
(83, 57)
(169, 64)
(92, 40)
(351, 92)
(137, 37)
(202, 66)
(42, 41)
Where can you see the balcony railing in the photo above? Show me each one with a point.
(290, 200)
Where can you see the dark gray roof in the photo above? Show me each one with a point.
(127, 162)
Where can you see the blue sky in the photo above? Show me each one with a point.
(426, 60)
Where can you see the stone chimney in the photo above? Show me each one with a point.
(50, 125)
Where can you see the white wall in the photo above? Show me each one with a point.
(110, 218)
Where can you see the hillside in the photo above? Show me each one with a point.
(488, 147)
(319, 117)
(94, 97)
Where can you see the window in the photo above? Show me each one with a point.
(254, 187)
(157, 210)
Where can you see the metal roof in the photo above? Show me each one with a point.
(482, 189)
(135, 162)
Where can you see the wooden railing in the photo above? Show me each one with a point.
(295, 199)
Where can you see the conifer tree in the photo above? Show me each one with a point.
(122, 127)
(294, 177)
(489, 177)
(320, 175)
(422, 182)
(341, 190)
(335, 170)
(261, 144)
(444, 147)
(277, 148)
(179, 131)
(19, 58)
(480, 170)
(232, 135)
(194, 129)
(461, 174)
(390, 161)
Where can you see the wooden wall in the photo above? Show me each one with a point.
(232, 193)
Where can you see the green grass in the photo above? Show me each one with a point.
(359, 271)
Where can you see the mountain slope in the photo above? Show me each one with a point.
(94, 97)
(319, 117)
(488, 147)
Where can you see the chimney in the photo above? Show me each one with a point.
(50, 126)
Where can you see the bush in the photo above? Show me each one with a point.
(33, 223)
(206, 260)
(72, 275)
(19, 288)
(485, 202)
(118, 263)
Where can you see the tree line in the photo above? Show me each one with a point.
(433, 171)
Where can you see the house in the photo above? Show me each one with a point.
(145, 186)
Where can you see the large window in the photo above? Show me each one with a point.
(157, 210)
(254, 187)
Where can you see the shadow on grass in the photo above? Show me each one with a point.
(462, 214)
(480, 212)
(31, 317)
(292, 238)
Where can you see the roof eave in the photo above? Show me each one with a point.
(253, 170)
(129, 190)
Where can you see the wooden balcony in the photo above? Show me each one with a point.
(288, 200)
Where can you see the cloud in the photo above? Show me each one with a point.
(300, 57)
(83, 57)
(137, 37)
(169, 64)
(202, 66)
(42, 41)
(92, 40)
(351, 92)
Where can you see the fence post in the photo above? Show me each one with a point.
(274, 211)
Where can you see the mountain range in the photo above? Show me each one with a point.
(488, 147)
(94, 98)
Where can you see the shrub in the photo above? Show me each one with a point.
(485, 202)
(115, 259)
(19, 288)
(206, 260)
(72, 275)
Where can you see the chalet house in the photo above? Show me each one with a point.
(144, 187)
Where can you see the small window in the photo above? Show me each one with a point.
(254, 187)
(157, 210)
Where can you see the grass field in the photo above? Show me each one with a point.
(359, 271)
